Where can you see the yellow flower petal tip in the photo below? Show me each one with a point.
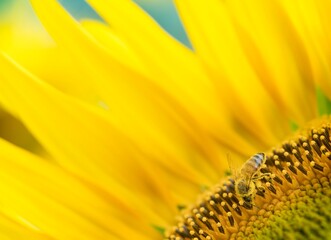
(287, 196)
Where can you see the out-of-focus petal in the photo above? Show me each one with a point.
(121, 84)
(93, 146)
(311, 20)
(174, 67)
(19, 229)
(277, 53)
(36, 194)
(215, 40)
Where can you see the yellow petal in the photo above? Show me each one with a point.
(11, 229)
(311, 20)
(24, 38)
(174, 67)
(37, 194)
(116, 84)
(101, 155)
(216, 42)
(115, 45)
(277, 54)
(80, 138)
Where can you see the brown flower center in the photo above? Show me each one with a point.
(298, 172)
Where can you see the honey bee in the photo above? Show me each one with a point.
(248, 178)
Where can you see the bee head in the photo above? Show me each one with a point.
(244, 187)
(248, 199)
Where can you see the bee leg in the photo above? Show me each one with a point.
(261, 189)
(258, 185)
(266, 176)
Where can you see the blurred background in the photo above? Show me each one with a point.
(163, 11)
(21, 34)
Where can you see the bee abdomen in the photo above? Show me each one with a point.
(258, 159)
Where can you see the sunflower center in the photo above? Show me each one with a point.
(287, 190)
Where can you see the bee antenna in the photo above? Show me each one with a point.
(228, 157)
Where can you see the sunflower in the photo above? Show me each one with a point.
(137, 129)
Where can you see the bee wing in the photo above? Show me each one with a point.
(233, 166)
